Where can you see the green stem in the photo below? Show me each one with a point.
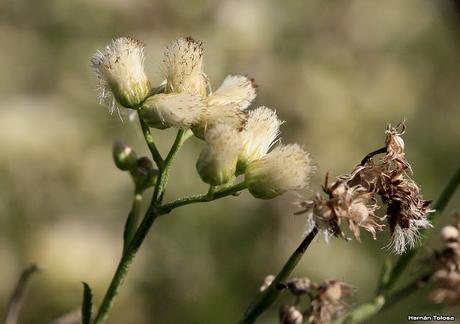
(166, 208)
(382, 302)
(141, 233)
(404, 260)
(133, 219)
(263, 300)
(151, 144)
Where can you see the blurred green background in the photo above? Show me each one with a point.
(336, 71)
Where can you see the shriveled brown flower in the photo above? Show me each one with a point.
(352, 197)
(356, 205)
(326, 300)
(446, 272)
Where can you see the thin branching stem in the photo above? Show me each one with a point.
(151, 144)
(264, 299)
(212, 195)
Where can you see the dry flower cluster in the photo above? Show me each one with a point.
(238, 140)
(326, 300)
(446, 263)
(353, 198)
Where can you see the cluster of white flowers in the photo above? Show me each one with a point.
(238, 139)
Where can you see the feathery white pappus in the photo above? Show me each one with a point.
(260, 133)
(184, 67)
(216, 164)
(229, 115)
(180, 110)
(236, 90)
(121, 74)
(286, 167)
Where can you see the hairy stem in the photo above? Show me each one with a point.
(264, 299)
(135, 243)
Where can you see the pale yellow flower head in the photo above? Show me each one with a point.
(184, 67)
(216, 164)
(180, 110)
(287, 167)
(259, 134)
(235, 90)
(120, 69)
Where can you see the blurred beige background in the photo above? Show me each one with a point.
(336, 71)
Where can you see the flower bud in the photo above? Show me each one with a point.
(216, 164)
(235, 90)
(144, 175)
(184, 67)
(120, 69)
(261, 131)
(124, 156)
(287, 167)
(172, 110)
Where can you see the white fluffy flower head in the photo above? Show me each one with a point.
(120, 69)
(212, 116)
(287, 167)
(236, 90)
(180, 110)
(216, 164)
(260, 133)
(184, 67)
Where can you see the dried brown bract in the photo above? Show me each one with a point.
(446, 263)
(326, 301)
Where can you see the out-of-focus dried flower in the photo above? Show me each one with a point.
(299, 286)
(120, 70)
(216, 164)
(326, 300)
(267, 282)
(287, 167)
(180, 110)
(184, 67)
(329, 301)
(289, 314)
(446, 268)
(260, 133)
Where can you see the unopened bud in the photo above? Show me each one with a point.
(124, 156)
(144, 175)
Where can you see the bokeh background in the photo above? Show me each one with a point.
(336, 71)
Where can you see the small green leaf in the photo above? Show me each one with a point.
(87, 304)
